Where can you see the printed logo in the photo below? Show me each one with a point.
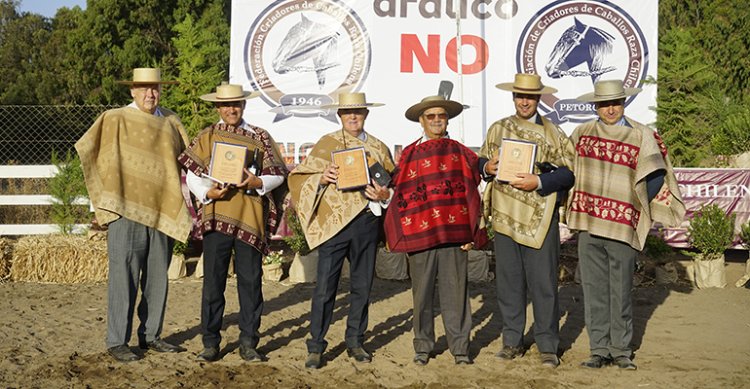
(575, 43)
(301, 53)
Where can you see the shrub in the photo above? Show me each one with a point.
(297, 241)
(657, 249)
(274, 258)
(745, 235)
(66, 187)
(711, 230)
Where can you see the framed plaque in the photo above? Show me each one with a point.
(227, 162)
(353, 171)
(516, 156)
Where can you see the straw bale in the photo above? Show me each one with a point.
(6, 252)
(60, 259)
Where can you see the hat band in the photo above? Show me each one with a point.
(610, 96)
(229, 97)
(352, 105)
(527, 89)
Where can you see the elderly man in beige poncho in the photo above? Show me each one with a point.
(342, 224)
(129, 159)
(624, 182)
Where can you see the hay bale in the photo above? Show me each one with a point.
(6, 252)
(67, 259)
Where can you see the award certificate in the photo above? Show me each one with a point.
(353, 171)
(227, 162)
(516, 156)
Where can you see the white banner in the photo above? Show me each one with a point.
(302, 53)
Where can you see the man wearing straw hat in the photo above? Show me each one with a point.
(524, 214)
(129, 158)
(435, 217)
(624, 182)
(237, 218)
(341, 224)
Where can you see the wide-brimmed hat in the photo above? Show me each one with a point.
(146, 76)
(229, 92)
(351, 101)
(608, 90)
(453, 108)
(526, 83)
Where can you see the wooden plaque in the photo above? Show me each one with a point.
(227, 162)
(516, 156)
(353, 171)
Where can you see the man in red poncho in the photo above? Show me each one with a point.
(434, 216)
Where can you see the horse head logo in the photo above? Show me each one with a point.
(578, 44)
(305, 41)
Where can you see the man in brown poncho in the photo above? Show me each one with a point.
(237, 218)
(624, 182)
(341, 224)
(129, 159)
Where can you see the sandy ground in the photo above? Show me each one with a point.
(52, 336)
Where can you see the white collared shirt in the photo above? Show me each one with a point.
(199, 186)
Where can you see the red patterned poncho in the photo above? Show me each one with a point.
(436, 200)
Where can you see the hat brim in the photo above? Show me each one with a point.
(351, 106)
(593, 98)
(509, 86)
(453, 108)
(128, 82)
(211, 97)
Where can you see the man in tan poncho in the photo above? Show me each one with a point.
(525, 216)
(341, 224)
(624, 182)
(237, 218)
(129, 159)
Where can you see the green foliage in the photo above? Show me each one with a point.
(297, 241)
(657, 249)
(274, 258)
(732, 136)
(711, 231)
(66, 187)
(745, 235)
(179, 248)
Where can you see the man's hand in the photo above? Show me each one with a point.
(491, 166)
(330, 174)
(525, 181)
(467, 246)
(217, 192)
(251, 182)
(376, 192)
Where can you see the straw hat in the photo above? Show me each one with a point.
(146, 76)
(351, 101)
(229, 92)
(530, 84)
(608, 90)
(453, 108)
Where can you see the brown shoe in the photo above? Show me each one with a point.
(209, 354)
(596, 362)
(161, 346)
(625, 363)
(122, 353)
(359, 354)
(510, 352)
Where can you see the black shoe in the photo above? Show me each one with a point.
(596, 362)
(161, 346)
(359, 354)
(313, 361)
(250, 354)
(122, 353)
(421, 358)
(510, 352)
(625, 363)
(550, 360)
(209, 354)
(462, 360)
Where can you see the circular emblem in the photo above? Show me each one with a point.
(298, 53)
(349, 160)
(229, 155)
(571, 43)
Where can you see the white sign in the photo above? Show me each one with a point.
(301, 53)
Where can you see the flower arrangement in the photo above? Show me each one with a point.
(274, 258)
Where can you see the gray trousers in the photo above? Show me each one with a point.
(138, 255)
(520, 269)
(607, 268)
(450, 265)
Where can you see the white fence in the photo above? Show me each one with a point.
(31, 171)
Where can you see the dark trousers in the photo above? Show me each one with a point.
(520, 268)
(217, 251)
(138, 255)
(451, 266)
(358, 242)
(607, 268)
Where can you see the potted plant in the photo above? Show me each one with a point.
(305, 263)
(745, 238)
(272, 269)
(662, 255)
(711, 232)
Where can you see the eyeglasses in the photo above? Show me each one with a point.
(431, 116)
